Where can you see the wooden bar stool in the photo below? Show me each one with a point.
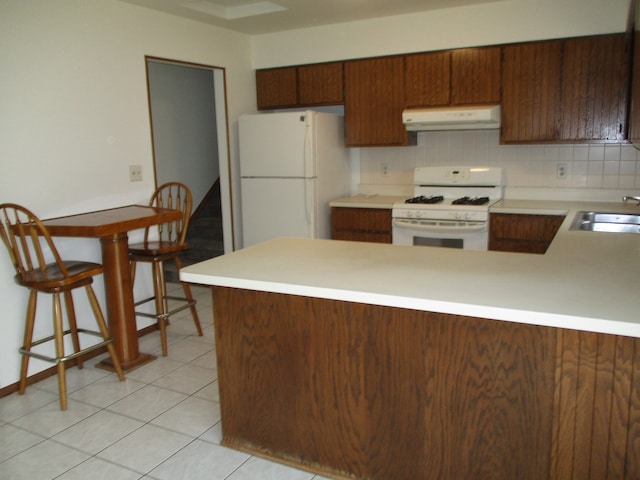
(162, 243)
(40, 269)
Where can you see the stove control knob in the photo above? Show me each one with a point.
(409, 213)
(418, 214)
(458, 216)
(468, 216)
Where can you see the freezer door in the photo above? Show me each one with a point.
(277, 145)
(277, 208)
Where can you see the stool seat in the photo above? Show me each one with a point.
(155, 249)
(53, 278)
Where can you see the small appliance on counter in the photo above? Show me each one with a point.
(450, 207)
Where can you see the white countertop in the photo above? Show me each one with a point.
(368, 201)
(586, 280)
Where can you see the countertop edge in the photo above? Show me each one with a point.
(528, 317)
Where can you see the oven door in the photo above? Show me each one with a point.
(441, 233)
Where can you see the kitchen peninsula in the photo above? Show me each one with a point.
(362, 360)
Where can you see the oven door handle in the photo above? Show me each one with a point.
(475, 227)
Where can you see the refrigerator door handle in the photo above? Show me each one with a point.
(308, 173)
(309, 194)
(308, 148)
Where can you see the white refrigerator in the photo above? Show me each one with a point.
(292, 164)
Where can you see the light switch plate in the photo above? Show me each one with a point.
(135, 173)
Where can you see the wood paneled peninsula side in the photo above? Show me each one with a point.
(371, 361)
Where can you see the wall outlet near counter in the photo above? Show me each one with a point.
(135, 173)
(384, 169)
(561, 170)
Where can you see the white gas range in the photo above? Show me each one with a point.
(450, 207)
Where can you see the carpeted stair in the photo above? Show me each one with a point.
(204, 236)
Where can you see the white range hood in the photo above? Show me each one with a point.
(452, 118)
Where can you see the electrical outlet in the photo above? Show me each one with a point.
(561, 170)
(384, 169)
(135, 173)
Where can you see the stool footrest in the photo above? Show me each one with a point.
(72, 356)
(179, 308)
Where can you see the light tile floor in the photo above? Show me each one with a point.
(163, 422)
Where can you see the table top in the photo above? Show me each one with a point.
(103, 223)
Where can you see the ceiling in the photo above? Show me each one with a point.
(255, 17)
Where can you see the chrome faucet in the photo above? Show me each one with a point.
(631, 197)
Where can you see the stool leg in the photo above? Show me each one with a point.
(132, 269)
(73, 326)
(161, 304)
(194, 311)
(28, 338)
(189, 297)
(102, 325)
(58, 334)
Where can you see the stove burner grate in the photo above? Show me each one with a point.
(471, 201)
(425, 199)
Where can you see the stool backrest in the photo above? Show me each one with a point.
(28, 241)
(177, 196)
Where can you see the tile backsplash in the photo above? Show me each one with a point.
(588, 166)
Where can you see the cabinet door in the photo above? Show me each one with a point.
(522, 233)
(321, 84)
(531, 76)
(277, 88)
(475, 75)
(374, 100)
(361, 224)
(595, 88)
(428, 79)
(634, 110)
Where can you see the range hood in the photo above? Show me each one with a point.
(452, 118)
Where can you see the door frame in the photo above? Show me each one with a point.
(222, 125)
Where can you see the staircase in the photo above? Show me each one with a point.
(204, 235)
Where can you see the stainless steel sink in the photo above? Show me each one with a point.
(606, 222)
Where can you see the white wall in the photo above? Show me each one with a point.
(75, 115)
(485, 24)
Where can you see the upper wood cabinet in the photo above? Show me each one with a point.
(571, 90)
(531, 92)
(453, 77)
(428, 79)
(552, 91)
(595, 88)
(277, 87)
(374, 100)
(321, 84)
(475, 75)
(300, 86)
(634, 110)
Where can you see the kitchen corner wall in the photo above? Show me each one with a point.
(589, 166)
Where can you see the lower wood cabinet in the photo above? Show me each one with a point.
(355, 391)
(522, 233)
(361, 224)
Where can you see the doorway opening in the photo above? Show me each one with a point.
(187, 108)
